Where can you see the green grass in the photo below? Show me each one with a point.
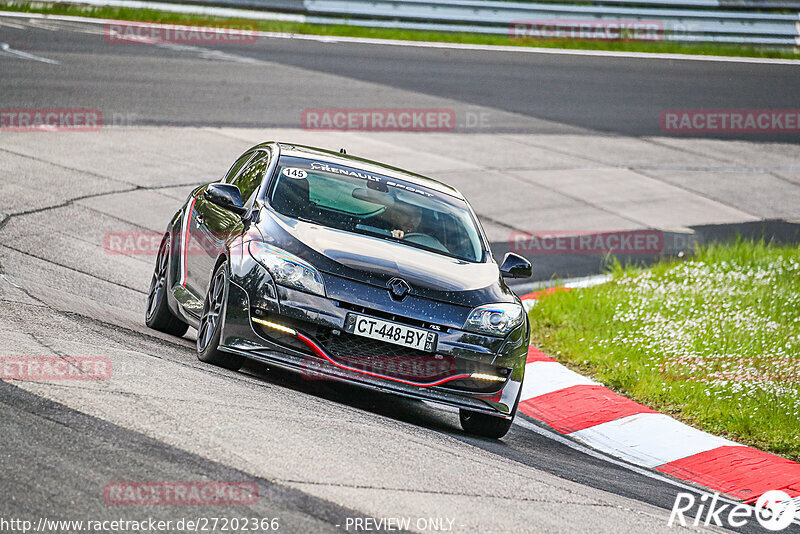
(713, 340)
(149, 15)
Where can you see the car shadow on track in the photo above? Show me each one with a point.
(398, 408)
(412, 411)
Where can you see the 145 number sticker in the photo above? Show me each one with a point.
(297, 174)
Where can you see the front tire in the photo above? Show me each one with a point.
(210, 329)
(158, 315)
(480, 424)
(488, 426)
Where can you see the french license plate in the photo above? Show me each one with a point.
(413, 338)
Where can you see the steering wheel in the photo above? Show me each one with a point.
(425, 240)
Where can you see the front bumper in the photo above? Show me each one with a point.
(306, 333)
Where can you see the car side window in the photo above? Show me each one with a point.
(236, 167)
(250, 178)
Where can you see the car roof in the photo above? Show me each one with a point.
(329, 156)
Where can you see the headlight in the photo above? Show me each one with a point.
(287, 269)
(495, 319)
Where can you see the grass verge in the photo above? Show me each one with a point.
(713, 340)
(150, 15)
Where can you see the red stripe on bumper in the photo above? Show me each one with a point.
(742, 472)
(322, 354)
(578, 407)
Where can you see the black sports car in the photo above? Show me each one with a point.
(343, 268)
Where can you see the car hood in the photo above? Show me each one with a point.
(376, 261)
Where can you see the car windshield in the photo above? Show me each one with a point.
(363, 202)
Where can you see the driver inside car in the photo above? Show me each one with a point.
(402, 219)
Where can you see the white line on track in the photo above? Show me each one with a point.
(209, 54)
(438, 45)
(16, 26)
(5, 47)
(46, 25)
(571, 283)
(587, 281)
(527, 425)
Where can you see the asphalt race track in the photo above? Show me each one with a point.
(266, 83)
(323, 454)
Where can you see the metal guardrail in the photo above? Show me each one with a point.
(684, 24)
(753, 22)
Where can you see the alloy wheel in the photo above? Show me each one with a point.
(211, 311)
(159, 281)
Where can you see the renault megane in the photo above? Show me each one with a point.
(346, 269)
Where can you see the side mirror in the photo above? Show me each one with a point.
(225, 196)
(515, 266)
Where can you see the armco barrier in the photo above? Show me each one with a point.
(770, 22)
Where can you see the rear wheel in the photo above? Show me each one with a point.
(159, 316)
(210, 329)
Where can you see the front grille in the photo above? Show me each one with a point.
(347, 345)
(387, 359)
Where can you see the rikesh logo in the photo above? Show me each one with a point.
(398, 288)
(775, 510)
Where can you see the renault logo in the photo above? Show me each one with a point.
(398, 288)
